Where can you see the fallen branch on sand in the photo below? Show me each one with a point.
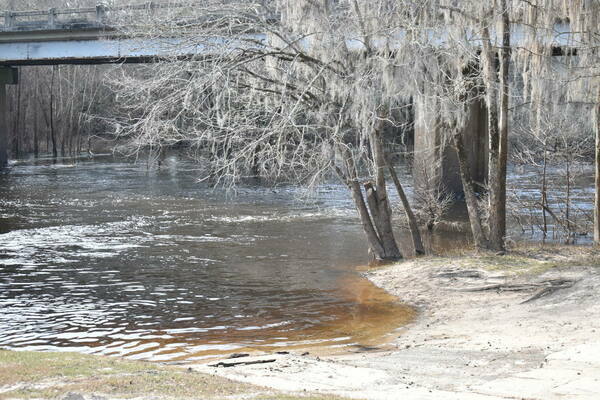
(244, 362)
(461, 273)
(546, 288)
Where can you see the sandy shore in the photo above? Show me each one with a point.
(523, 326)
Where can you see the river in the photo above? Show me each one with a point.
(110, 257)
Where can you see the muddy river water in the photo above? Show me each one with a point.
(109, 257)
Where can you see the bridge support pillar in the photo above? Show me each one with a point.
(8, 76)
(435, 161)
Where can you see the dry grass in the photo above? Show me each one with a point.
(522, 258)
(29, 375)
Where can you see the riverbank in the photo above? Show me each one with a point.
(522, 325)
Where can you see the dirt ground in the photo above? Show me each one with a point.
(519, 326)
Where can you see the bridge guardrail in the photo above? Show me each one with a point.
(98, 16)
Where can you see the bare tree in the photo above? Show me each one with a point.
(291, 90)
(480, 33)
(597, 173)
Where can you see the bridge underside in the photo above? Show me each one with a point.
(86, 47)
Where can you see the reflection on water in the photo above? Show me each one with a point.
(108, 257)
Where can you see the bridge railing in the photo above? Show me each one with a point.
(52, 18)
(99, 16)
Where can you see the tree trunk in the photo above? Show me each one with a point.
(376, 224)
(16, 133)
(52, 132)
(381, 208)
(410, 216)
(498, 223)
(376, 248)
(36, 145)
(497, 88)
(350, 178)
(470, 197)
(545, 191)
(491, 87)
(568, 200)
(597, 181)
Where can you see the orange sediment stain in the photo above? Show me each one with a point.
(372, 319)
(365, 317)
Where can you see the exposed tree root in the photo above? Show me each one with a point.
(553, 286)
(545, 288)
(541, 288)
(501, 287)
